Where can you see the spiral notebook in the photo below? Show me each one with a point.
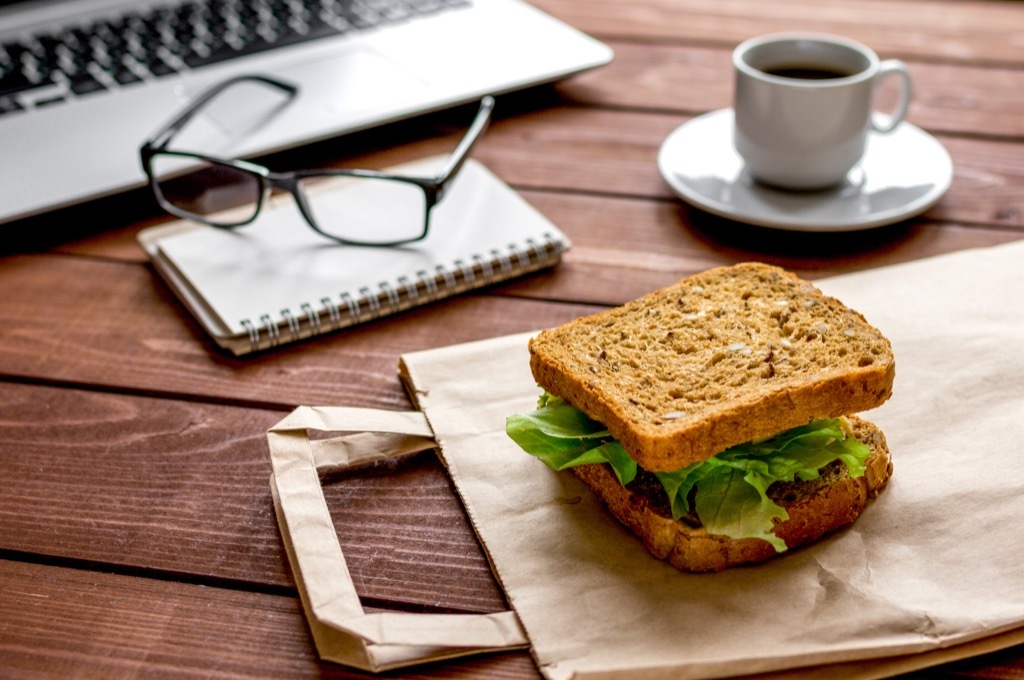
(277, 281)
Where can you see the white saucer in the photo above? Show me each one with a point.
(902, 174)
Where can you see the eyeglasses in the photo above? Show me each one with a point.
(194, 186)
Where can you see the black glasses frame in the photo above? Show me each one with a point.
(433, 188)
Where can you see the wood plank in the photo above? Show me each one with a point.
(182, 488)
(624, 248)
(988, 184)
(943, 30)
(947, 98)
(59, 622)
(616, 153)
(119, 328)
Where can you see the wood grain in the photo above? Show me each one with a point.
(120, 329)
(124, 330)
(59, 622)
(624, 248)
(941, 30)
(615, 153)
(137, 536)
(181, 489)
(948, 98)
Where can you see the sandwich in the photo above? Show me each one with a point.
(716, 418)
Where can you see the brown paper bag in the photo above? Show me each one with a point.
(342, 630)
(929, 573)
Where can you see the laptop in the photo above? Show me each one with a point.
(84, 82)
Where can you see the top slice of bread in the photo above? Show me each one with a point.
(717, 359)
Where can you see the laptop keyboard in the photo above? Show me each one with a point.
(48, 69)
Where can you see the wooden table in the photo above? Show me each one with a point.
(137, 534)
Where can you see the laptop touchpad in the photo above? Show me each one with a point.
(342, 84)
(354, 80)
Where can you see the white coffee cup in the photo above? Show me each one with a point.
(803, 107)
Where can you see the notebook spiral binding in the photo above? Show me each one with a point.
(348, 308)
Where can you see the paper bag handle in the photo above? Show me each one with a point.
(342, 630)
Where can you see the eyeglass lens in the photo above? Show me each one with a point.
(366, 210)
(207, 189)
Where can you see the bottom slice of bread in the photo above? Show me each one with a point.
(815, 508)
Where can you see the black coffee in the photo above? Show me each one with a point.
(808, 72)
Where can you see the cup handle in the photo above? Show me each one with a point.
(887, 68)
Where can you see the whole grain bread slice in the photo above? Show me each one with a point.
(717, 359)
(816, 507)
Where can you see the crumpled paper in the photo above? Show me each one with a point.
(930, 572)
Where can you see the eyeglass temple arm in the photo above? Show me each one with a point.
(163, 136)
(461, 152)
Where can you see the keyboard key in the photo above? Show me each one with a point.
(84, 83)
(9, 105)
(125, 76)
(50, 102)
(160, 68)
(13, 83)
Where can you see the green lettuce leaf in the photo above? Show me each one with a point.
(733, 501)
(562, 437)
(731, 489)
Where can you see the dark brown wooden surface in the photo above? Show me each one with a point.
(137, 534)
